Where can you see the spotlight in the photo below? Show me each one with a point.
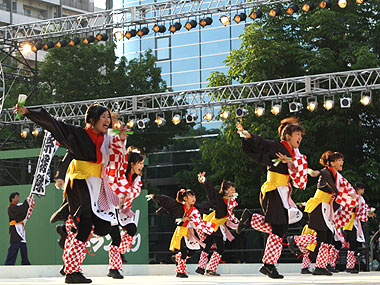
(26, 47)
(240, 17)
(295, 107)
(224, 20)
(89, 39)
(256, 14)
(325, 4)
(130, 34)
(342, 3)
(225, 115)
(241, 112)
(208, 116)
(359, 1)
(275, 12)
(143, 123)
(48, 45)
(118, 35)
(365, 99)
(328, 104)
(36, 47)
(159, 28)
(345, 102)
(191, 118)
(190, 25)
(24, 133)
(142, 32)
(175, 27)
(131, 123)
(176, 119)
(74, 42)
(292, 9)
(61, 43)
(308, 7)
(101, 37)
(205, 22)
(160, 121)
(312, 104)
(36, 131)
(276, 109)
(259, 111)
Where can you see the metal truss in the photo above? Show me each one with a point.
(289, 89)
(125, 17)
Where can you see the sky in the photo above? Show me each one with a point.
(100, 3)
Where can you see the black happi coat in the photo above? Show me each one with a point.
(17, 213)
(174, 208)
(326, 183)
(263, 151)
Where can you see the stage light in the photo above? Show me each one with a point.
(325, 4)
(131, 123)
(176, 119)
(328, 104)
(191, 118)
(36, 131)
(224, 20)
(89, 39)
(118, 35)
(36, 47)
(26, 47)
(142, 32)
(61, 43)
(240, 17)
(48, 45)
(175, 27)
(359, 1)
(143, 123)
(208, 116)
(274, 12)
(130, 34)
(101, 37)
(345, 102)
(312, 104)
(259, 111)
(225, 115)
(276, 109)
(159, 28)
(24, 133)
(295, 107)
(74, 42)
(308, 7)
(292, 9)
(190, 25)
(342, 3)
(241, 112)
(205, 22)
(160, 121)
(256, 14)
(365, 99)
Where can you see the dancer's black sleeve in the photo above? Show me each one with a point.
(215, 199)
(326, 182)
(63, 166)
(169, 204)
(18, 213)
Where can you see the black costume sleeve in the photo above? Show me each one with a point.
(169, 204)
(63, 166)
(18, 213)
(210, 190)
(260, 150)
(326, 182)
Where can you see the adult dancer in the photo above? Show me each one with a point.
(188, 220)
(223, 201)
(275, 199)
(90, 203)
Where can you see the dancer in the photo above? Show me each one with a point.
(223, 201)
(90, 203)
(282, 160)
(188, 219)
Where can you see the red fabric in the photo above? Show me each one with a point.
(291, 151)
(98, 141)
(333, 172)
(187, 214)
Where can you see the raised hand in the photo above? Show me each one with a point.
(201, 177)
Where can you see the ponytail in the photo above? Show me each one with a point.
(329, 156)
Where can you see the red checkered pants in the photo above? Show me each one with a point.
(257, 222)
(114, 257)
(214, 262)
(273, 249)
(126, 242)
(75, 256)
(306, 262)
(333, 254)
(203, 259)
(305, 240)
(351, 260)
(323, 256)
(181, 263)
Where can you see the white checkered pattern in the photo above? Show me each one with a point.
(202, 236)
(70, 237)
(362, 214)
(305, 240)
(323, 256)
(181, 263)
(126, 242)
(273, 249)
(203, 259)
(74, 256)
(347, 196)
(231, 216)
(257, 222)
(214, 262)
(351, 260)
(201, 225)
(342, 216)
(333, 255)
(114, 257)
(299, 173)
(306, 262)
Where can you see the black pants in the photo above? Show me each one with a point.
(325, 237)
(13, 251)
(131, 229)
(279, 230)
(217, 238)
(351, 238)
(185, 251)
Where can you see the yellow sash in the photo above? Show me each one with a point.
(218, 222)
(274, 180)
(318, 198)
(307, 231)
(179, 233)
(79, 169)
(13, 222)
(350, 224)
